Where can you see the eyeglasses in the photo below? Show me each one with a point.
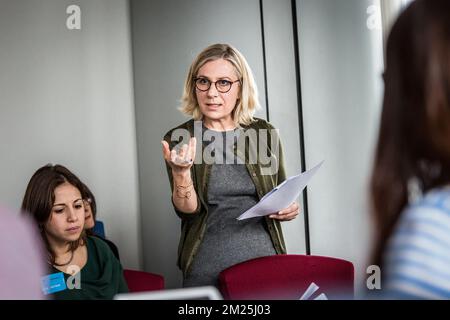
(222, 85)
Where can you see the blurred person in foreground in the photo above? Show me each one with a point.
(22, 260)
(410, 187)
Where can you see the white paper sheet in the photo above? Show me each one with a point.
(311, 290)
(281, 196)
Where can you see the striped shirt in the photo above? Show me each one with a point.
(417, 260)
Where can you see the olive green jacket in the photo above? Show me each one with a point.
(193, 224)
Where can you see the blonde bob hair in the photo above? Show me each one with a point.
(247, 103)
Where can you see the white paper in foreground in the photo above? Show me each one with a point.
(281, 196)
(311, 290)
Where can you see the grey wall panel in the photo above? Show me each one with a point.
(341, 66)
(282, 94)
(67, 97)
(167, 35)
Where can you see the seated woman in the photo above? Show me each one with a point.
(89, 268)
(90, 208)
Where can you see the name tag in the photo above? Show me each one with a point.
(53, 283)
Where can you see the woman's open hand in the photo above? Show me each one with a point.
(182, 160)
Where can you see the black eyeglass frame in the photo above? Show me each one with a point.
(215, 84)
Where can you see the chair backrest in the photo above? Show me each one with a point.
(287, 277)
(99, 229)
(139, 281)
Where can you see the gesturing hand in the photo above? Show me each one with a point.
(182, 160)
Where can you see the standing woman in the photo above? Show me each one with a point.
(411, 178)
(54, 199)
(211, 190)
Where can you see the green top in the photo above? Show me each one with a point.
(265, 179)
(101, 277)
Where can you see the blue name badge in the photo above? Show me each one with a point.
(53, 283)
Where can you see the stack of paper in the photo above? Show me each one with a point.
(281, 196)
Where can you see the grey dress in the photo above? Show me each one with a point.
(228, 241)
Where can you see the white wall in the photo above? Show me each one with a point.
(341, 67)
(66, 96)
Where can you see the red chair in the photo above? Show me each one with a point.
(139, 281)
(287, 277)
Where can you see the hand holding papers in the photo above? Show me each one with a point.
(281, 196)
